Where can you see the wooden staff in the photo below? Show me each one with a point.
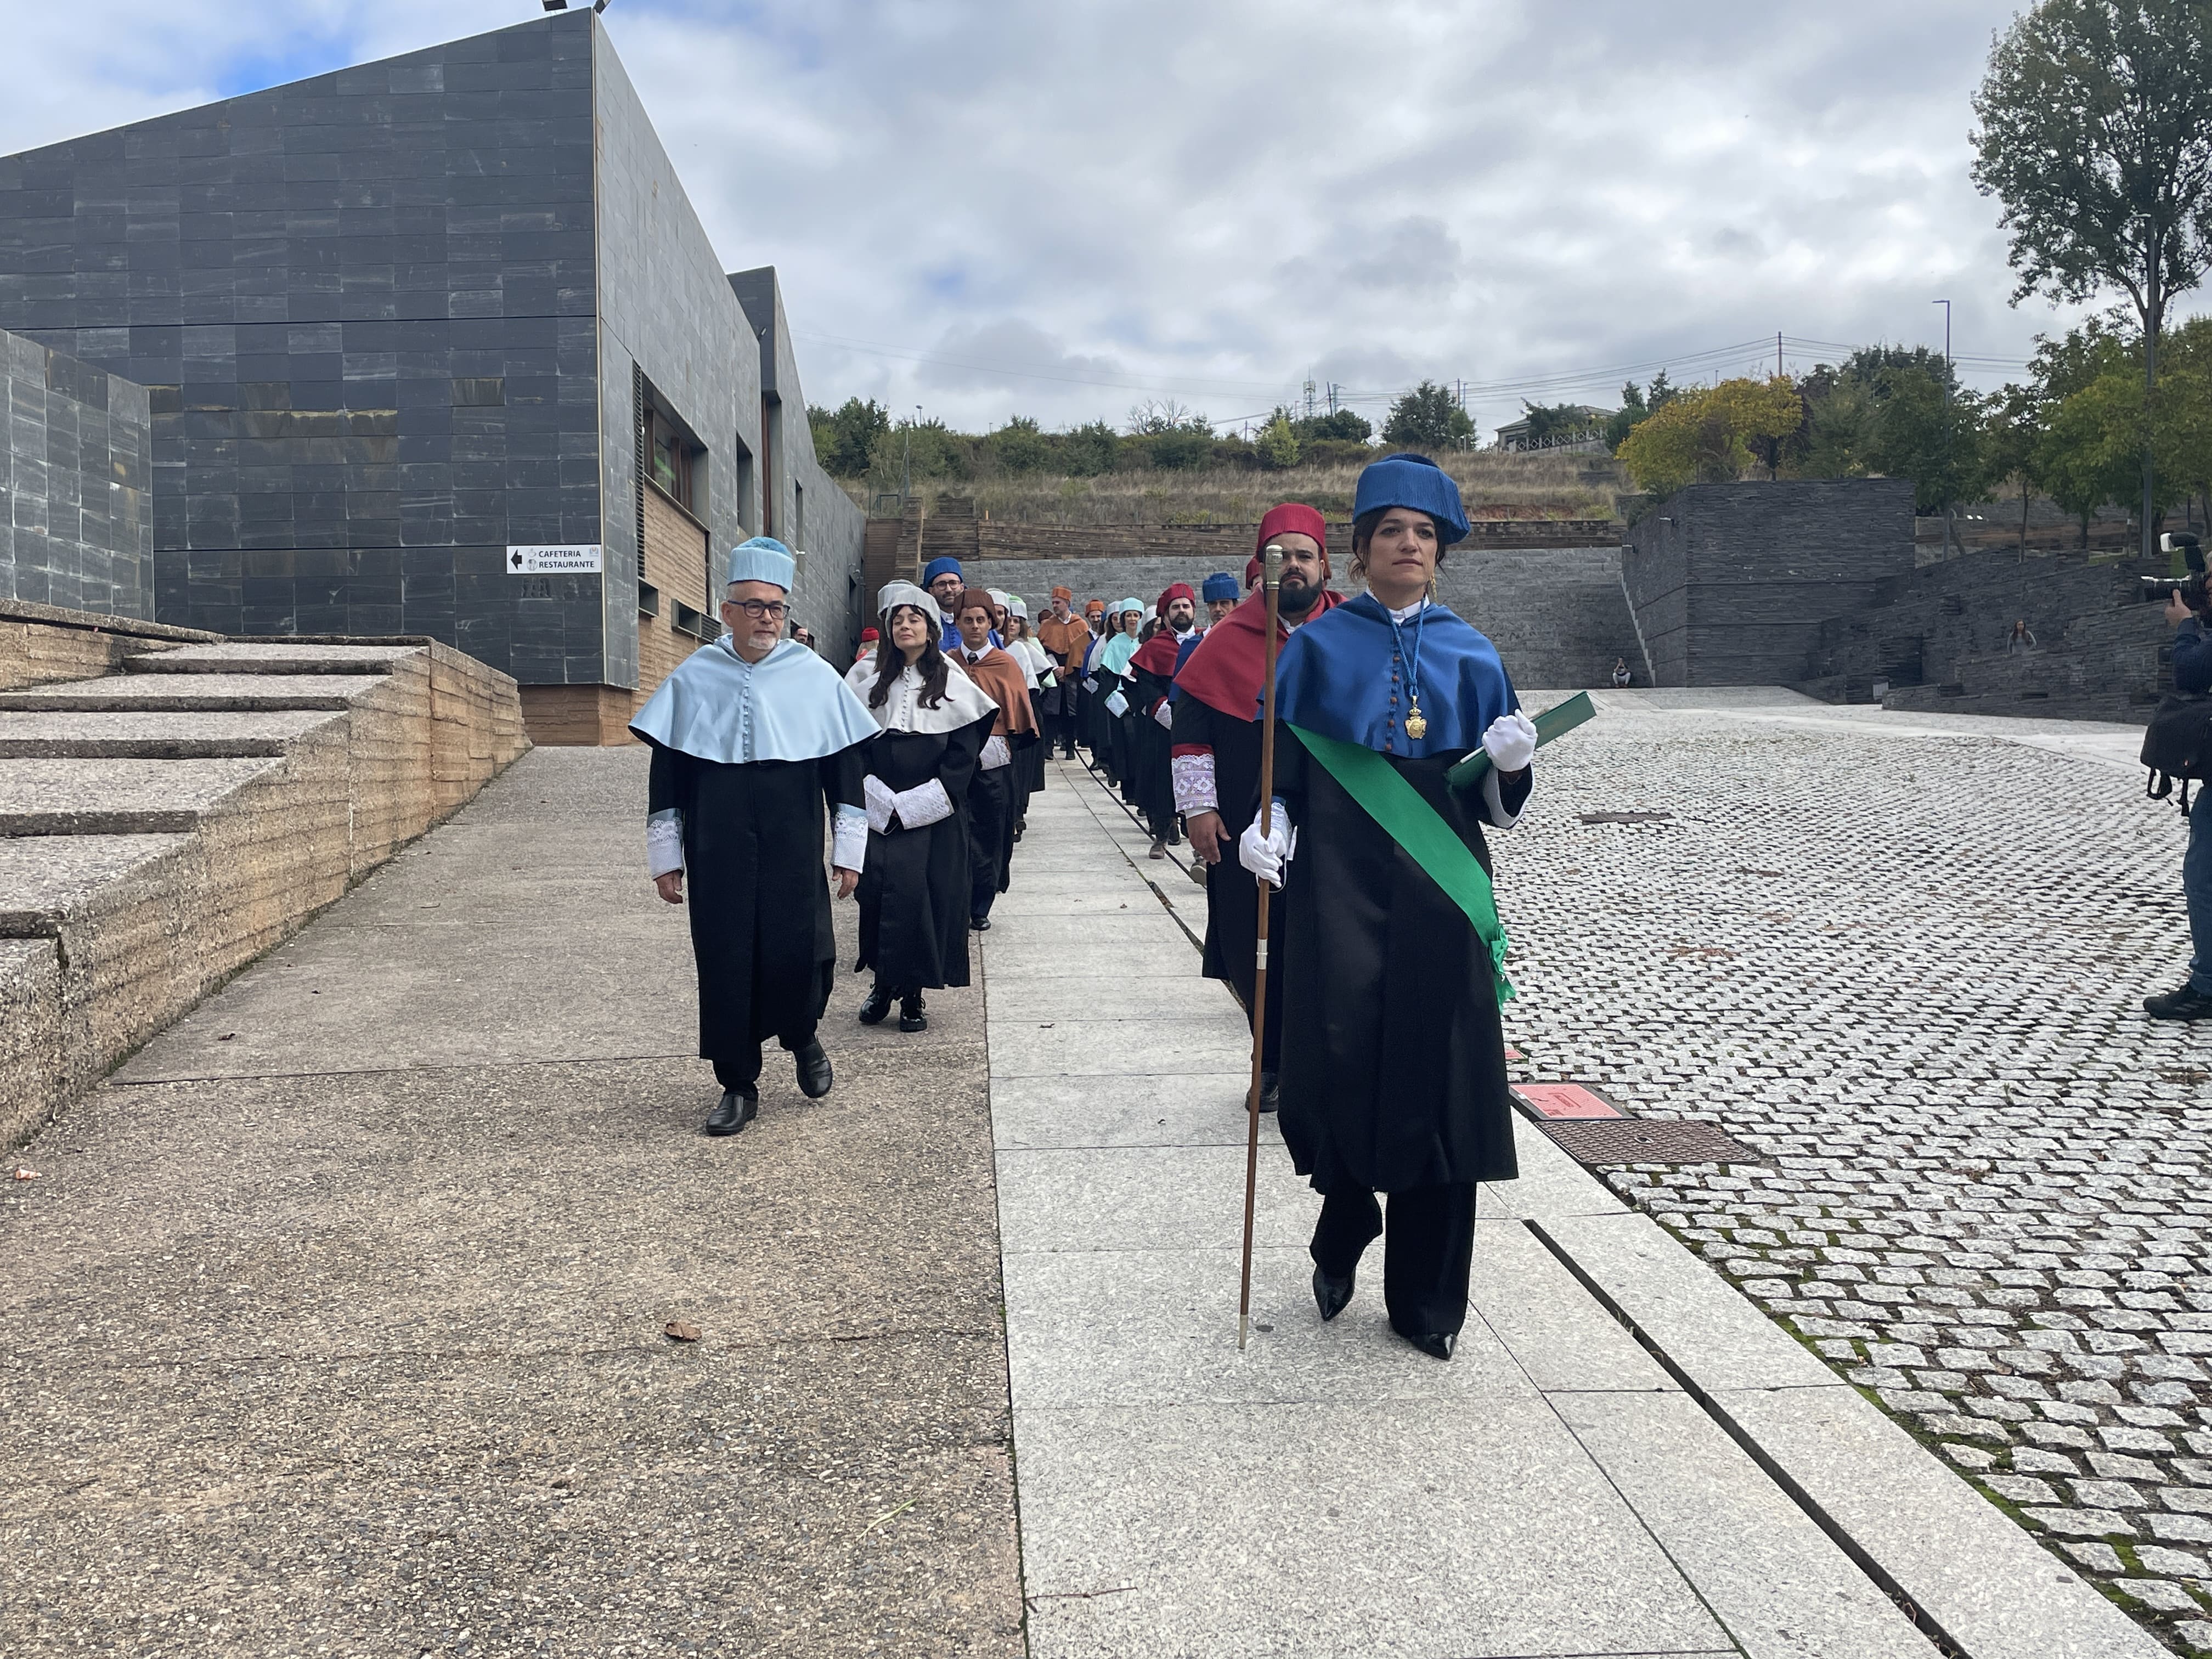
(1274, 555)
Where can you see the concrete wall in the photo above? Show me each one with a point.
(1732, 582)
(363, 304)
(810, 510)
(76, 483)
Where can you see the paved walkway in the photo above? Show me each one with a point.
(1559, 1488)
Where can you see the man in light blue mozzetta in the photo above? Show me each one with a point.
(754, 739)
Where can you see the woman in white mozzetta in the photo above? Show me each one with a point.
(1043, 677)
(914, 886)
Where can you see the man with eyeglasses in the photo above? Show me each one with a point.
(755, 739)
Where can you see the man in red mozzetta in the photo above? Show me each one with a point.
(1215, 756)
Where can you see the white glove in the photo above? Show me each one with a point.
(1511, 742)
(923, 805)
(1165, 715)
(1265, 855)
(881, 803)
(996, 754)
(1116, 704)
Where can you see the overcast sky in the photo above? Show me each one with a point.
(1064, 210)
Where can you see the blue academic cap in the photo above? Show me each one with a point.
(1220, 586)
(1417, 481)
(937, 567)
(764, 559)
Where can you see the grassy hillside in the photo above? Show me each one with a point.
(1493, 485)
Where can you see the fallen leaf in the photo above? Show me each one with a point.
(225, 1037)
(681, 1330)
(23, 1174)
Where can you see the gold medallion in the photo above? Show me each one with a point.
(1416, 724)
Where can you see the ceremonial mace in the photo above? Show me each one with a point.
(1274, 555)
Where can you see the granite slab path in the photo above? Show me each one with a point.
(1577, 1481)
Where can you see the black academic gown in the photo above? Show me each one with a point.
(1155, 784)
(758, 898)
(990, 835)
(913, 892)
(1232, 892)
(1393, 1057)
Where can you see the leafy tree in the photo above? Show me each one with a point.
(1157, 415)
(1181, 448)
(1278, 443)
(2012, 431)
(1705, 436)
(2091, 449)
(2096, 135)
(1623, 420)
(935, 452)
(1090, 450)
(843, 438)
(1020, 446)
(1549, 422)
(1427, 417)
(1342, 425)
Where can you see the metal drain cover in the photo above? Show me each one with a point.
(1646, 1141)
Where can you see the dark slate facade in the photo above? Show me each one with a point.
(1731, 583)
(77, 522)
(393, 320)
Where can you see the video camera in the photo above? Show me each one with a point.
(2193, 587)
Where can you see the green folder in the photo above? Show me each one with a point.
(1554, 722)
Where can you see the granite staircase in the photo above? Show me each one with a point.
(183, 803)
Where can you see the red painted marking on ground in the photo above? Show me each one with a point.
(1512, 1053)
(1563, 1100)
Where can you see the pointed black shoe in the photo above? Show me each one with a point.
(980, 924)
(1330, 1294)
(1437, 1344)
(2187, 1003)
(1270, 1091)
(814, 1075)
(877, 1005)
(913, 1014)
(738, 1108)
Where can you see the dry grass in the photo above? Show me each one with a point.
(1493, 485)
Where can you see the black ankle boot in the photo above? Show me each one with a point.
(913, 1016)
(877, 1005)
(814, 1075)
(738, 1108)
(1330, 1294)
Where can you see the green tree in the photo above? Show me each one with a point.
(1427, 417)
(1554, 422)
(1278, 443)
(1090, 450)
(1338, 426)
(1020, 446)
(844, 437)
(1705, 436)
(1622, 421)
(2012, 434)
(918, 449)
(2096, 135)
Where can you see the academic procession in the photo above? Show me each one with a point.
(1334, 758)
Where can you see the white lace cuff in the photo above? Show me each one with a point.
(923, 805)
(1116, 704)
(1494, 804)
(881, 803)
(664, 843)
(1164, 716)
(1194, 783)
(848, 838)
(996, 754)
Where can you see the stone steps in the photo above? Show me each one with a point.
(166, 822)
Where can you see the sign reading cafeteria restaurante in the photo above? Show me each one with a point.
(580, 560)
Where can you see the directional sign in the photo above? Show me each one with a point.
(580, 560)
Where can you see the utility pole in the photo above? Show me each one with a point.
(1778, 354)
(1332, 397)
(1309, 397)
(1946, 304)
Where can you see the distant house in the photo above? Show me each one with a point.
(1572, 427)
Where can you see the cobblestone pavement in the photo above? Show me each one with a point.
(1906, 967)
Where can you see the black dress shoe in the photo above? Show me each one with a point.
(814, 1075)
(1437, 1344)
(877, 1005)
(1270, 1091)
(981, 923)
(913, 1015)
(1330, 1294)
(739, 1107)
(2187, 1003)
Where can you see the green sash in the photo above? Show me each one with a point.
(1415, 825)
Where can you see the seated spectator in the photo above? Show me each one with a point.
(1620, 676)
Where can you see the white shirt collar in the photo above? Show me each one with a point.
(1411, 610)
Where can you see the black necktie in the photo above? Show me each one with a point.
(974, 656)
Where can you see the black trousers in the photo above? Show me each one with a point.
(1426, 1256)
(742, 1071)
(990, 836)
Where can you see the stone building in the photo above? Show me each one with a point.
(436, 345)
(76, 521)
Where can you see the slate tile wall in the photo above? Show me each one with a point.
(1732, 582)
(77, 525)
(364, 307)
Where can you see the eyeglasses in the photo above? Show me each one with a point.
(760, 610)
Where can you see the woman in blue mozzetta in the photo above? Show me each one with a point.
(1393, 1069)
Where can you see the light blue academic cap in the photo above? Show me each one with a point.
(764, 559)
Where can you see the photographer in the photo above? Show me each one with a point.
(2186, 609)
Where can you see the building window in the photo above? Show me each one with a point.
(674, 461)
